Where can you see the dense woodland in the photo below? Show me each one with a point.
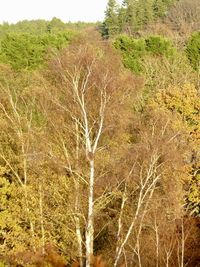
(100, 139)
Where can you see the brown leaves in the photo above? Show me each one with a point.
(41, 257)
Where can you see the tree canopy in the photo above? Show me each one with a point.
(100, 137)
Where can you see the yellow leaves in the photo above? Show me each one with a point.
(194, 195)
(2, 264)
(183, 102)
(3, 171)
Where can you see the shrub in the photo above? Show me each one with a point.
(135, 50)
(193, 50)
(160, 46)
(132, 52)
(22, 51)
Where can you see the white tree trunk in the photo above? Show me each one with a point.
(90, 226)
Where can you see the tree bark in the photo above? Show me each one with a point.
(90, 222)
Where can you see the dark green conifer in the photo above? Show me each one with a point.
(110, 25)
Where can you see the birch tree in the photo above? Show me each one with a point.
(145, 187)
(86, 82)
(17, 113)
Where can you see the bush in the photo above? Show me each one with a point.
(132, 52)
(193, 50)
(22, 51)
(135, 50)
(160, 46)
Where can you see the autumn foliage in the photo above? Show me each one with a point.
(99, 147)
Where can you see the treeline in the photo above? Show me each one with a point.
(25, 45)
(134, 17)
(41, 26)
(28, 51)
(99, 149)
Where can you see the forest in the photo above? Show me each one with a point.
(100, 139)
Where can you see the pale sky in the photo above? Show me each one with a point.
(67, 10)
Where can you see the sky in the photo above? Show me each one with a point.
(13, 11)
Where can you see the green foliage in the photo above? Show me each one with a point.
(160, 7)
(27, 51)
(40, 27)
(55, 25)
(57, 41)
(193, 50)
(135, 50)
(132, 51)
(133, 15)
(160, 46)
(22, 51)
(42, 135)
(136, 14)
(110, 25)
(143, 13)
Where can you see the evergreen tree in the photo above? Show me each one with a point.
(56, 25)
(160, 7)
(137, 14)
(122, 18)
(193, 50)
(130, 14)
(110, 25)
(144, 13)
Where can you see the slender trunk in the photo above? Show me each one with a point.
(167, 262)
(124, 197)
(26, 199)
(120, 248)
(78, 225)
(77, 204)
(29, 217)
(79, 240)
(182, 244)
(168, 255)
(144, 191)
(139, 259)
(90, 227)
(157, 245)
